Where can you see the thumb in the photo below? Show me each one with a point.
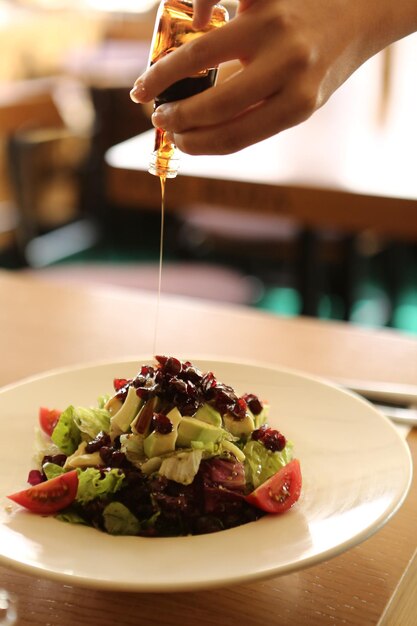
(202, 13)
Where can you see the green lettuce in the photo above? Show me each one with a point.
(118, 520)
(66, 435)
(102, 400)
(71, 517)
(52, 470)
(132, 446)
(77, 423)
(91, 421)
(261, 463)
(181, 467)
(92, 484)
(262, 417)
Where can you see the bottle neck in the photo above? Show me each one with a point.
(164, 161)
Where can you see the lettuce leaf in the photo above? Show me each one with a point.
(43, 446)
(91, 421)
(102, 400)
(181, 467)
(66, 435)
(92, 484)
(71, 517)
(118, 520)
(132, 446)
(261, 463)
(52, 470)
(77, 423)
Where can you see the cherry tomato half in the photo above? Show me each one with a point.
(50, 496)
(280, 492)
(48, 419)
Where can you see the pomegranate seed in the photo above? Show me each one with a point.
(106, 454)
(119, 383)
(102, 439)
(272, 439)
(147, 371)
(240, 409)
(173, 366)
(208, 382)
(58, 459)
(35, 477)
(122, 393)
(253, 402)
(161, 423)
(118, 459)
(178, 384)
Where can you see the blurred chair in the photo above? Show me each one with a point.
(27, 104)
(45, 166)
(23, 104)
(44, 156)
(277, 249)
(56, 131)
(107, 72)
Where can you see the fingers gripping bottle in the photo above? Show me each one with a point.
(173, 28)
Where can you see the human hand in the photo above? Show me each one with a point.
(294, 54)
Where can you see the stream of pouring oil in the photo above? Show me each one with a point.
(161, 256)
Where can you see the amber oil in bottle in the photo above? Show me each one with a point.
(173, 28)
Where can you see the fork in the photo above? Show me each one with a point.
(398, 402)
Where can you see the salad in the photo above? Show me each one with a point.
(172, 451)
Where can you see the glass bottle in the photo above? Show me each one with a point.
(173, 28)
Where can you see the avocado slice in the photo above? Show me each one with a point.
(207, 413)
(113, 405)
(156, 443)
(192, 429)
(239, 428)
(121, 420)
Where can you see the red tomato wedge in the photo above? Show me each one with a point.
(50, 496)
(280, 492)
(48, 419)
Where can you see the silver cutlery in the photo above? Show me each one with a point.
(397, 401)
(400, 415)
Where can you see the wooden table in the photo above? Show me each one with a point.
(45, 325)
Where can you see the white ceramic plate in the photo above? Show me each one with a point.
(356, 472)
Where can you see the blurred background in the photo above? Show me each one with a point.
(66, 69)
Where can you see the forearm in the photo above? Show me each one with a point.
(372, 25)
(389, 20)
